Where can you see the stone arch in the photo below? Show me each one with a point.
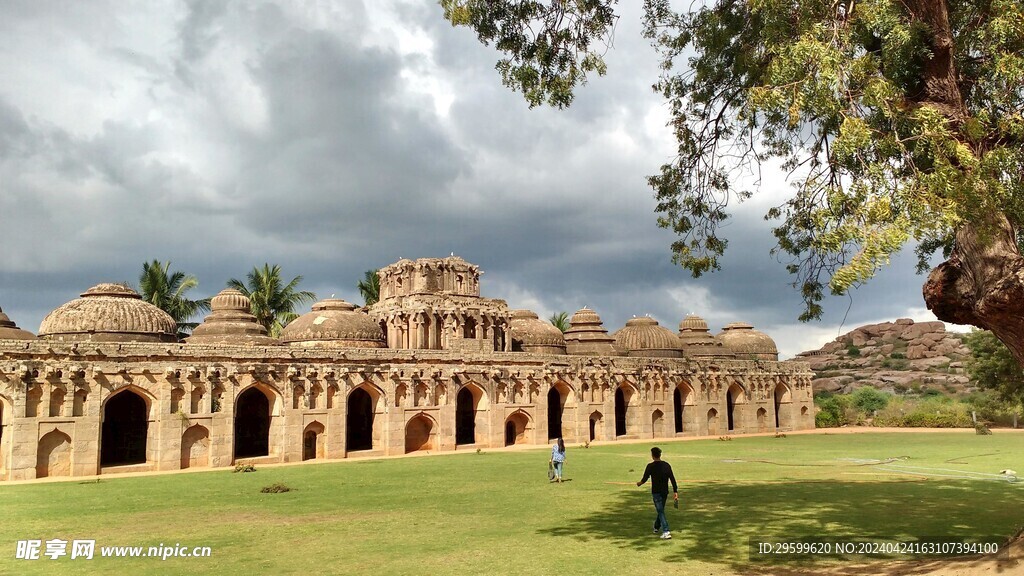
(254, 410)
(177, 396)
(298, 397)
(712, 422)
(516, 426)
(419, 394)
(683, 396)
(363, 427)
(313, 441)
(332, 394)
(783, 399)
(420, 433)
(626, 400)
(33, 401)
(762, 420)
(57, 394)
(657, 421)
(561, 397)
(195, 447)
(596, 430)
(125, 430)
(401, 392)
(53, 455)
(440, 395)
(315, 392)
(79, 402)
(735, 398)
(470, 402)
(196, 399)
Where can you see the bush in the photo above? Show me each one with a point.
(924, 413)
(245, 468)
(835, 410)
(869, 400)
(275, 488)
(852, 350)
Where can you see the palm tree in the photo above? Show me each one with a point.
(272, 303)
(561, 321)
(369, 287)
(166, 290)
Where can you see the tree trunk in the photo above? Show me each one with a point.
(982, 283)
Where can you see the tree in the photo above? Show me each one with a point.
(166, 290)
(369, 287)
(560, 320)
(898, 122)
(273, 303)
(992, 366)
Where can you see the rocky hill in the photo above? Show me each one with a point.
(898, 357)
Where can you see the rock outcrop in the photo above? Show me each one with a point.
(895, 356)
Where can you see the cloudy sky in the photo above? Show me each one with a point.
(332, 137)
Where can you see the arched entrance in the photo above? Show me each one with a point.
(656, 422)
(762, 420)
(595, 425)
(556, 404)
(312, 441)
(359, 429)
(53, 456)
(466, 402)
(623, 414)
(419, 434)
(677, 409)
(195, 447)
(733, 398)
(515, 428)
(252, 424)
(712, 422)
(125, 426)
(782, 403)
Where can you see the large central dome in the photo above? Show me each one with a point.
(334, 323)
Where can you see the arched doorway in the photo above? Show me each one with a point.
(762, 420)
(620, 412)
(712, 422)
(312, 441)
(53, 456)
(782, 403)
(656, 422)
(677, 409)
(419, 434)
(195, 447)
(359, 429)
(125, 426)
(465, 416)
(556, 405)
(733, 398)
(252, 424)
(595, 425)
(515, 428)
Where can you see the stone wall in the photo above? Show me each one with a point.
(204, 405)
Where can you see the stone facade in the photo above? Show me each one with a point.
(77, 405)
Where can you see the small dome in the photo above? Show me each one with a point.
(230, 322)
(586, 336)
(9, 331)
(693, 322)
(334, 323)
(109, 313)
(644, 337)
(531, 334)
(697, 341)
(748, 343)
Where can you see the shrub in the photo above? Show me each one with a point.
(852, 350)
(982, 430)
(898, 356)
(275, 488)
(869, 400)
(245, 468)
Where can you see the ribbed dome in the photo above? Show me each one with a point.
(109, 313)
(698, 342)
(586, 336)
(746, 342)
(9, 331)
(531, 334)
(334, 323)
(230, 322)
(644, 337)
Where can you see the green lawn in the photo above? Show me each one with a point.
(495, 512)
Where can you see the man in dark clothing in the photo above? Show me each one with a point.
(660, 472)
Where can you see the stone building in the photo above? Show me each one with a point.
(106, 386)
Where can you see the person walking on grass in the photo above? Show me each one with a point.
(660, 472)
(557, 459)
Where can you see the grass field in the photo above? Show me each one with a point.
(495, 512)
